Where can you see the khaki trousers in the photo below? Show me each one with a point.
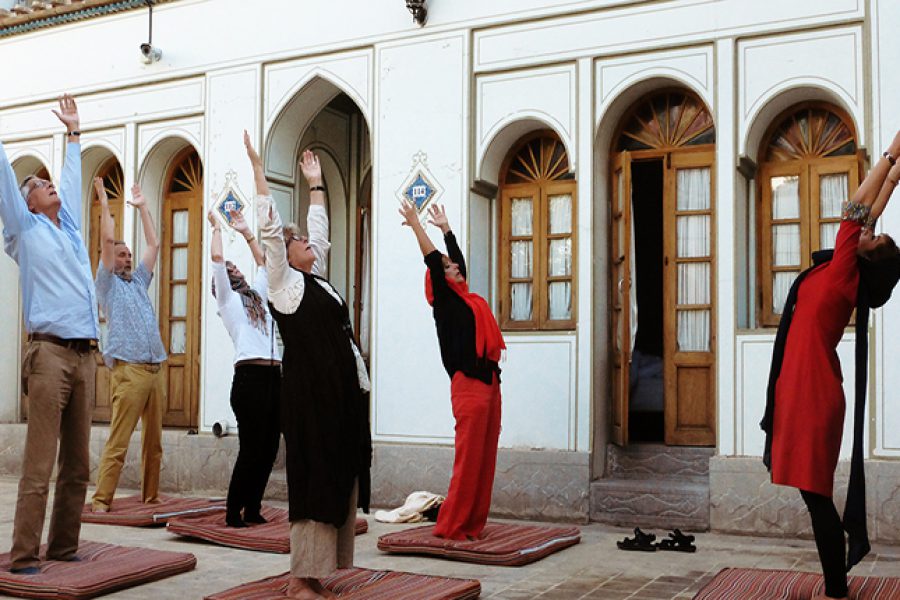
(137, 394)
(320, 549)
(59, 382)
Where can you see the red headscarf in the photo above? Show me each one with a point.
(488, 339)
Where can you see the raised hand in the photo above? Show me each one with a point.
(409, 213)
(100, 188)
(68, 113)
(252, 154)
(137, 197)
(213, 221)
(309, 166)
(237, 222)
(437, 216)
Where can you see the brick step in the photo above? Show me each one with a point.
(277, 488)
(652, 503)
(657, 461)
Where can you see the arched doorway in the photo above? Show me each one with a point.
(809, 165)
(663, 269)
(327, 121)
(114, 183)
(180, 286)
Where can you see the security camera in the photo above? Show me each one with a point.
(150, 53)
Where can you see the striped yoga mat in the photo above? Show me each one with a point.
(273, 536)
(771, 584)
(502, 544)
(130, 511)
(359, 584)
(101, 569)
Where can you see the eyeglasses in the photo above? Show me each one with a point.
(38, 184)
(298, 238)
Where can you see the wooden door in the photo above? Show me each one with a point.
(688, 306)
(620, 294)
(179, 288)
(114, 182)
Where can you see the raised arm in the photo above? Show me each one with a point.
(13, 210)
(437, 216)
(107, 228)
(239, 224)
(870, 189)
(312, 172)
(259, 174)
(884, 194)
(151, 240)
(215, 244)
(70, 182)
(411, 219)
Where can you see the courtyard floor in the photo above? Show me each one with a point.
(593, 569)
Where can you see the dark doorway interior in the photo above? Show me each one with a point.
(646, 400)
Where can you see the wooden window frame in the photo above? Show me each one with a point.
(809, 171)
(540, 192)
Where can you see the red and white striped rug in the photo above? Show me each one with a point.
(131, 512)
(274, 536)
(100, 569)
(503, 544)
(771, 584)
(359, 584)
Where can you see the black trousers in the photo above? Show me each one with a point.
(255, 392)
(830, 542)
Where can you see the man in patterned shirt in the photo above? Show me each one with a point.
(134, 352)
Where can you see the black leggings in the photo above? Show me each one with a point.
(255, 392)
(830, 542)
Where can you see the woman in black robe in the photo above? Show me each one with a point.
(324, 400)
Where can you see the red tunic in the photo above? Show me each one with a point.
(809, 397)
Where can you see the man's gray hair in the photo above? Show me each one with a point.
(24, 189)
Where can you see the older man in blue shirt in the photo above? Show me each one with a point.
(42, 233)
(134, 352)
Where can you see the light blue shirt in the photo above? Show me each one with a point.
(133, 334)
(58, 294)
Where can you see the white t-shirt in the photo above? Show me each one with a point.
(250, 341)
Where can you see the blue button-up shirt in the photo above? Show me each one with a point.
(133, 334)
(58, 294)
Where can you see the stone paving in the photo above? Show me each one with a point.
(592, 570)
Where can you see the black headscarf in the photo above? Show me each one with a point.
(876, 282)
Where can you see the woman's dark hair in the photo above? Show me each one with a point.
(879, 272)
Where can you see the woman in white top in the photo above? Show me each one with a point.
(256, 387)
(325, 409)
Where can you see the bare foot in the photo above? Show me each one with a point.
(321, 589)
(299, 589)
(99, 509)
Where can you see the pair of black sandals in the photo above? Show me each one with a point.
(646, 542)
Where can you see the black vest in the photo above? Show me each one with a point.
(324, 414)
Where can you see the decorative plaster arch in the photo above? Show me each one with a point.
(27, 162)
(782, 97)
(183, 136)
(610, 114)
(501, 138)
(293, 116)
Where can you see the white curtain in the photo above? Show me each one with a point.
(693, 237)
(833, 192)
(785, 245)
(781, 285)
(521, 259)
(632, 295)
(560, 257)
(786, 197)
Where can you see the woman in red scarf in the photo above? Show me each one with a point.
(471, 344)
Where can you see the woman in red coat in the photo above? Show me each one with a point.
(808, 417)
